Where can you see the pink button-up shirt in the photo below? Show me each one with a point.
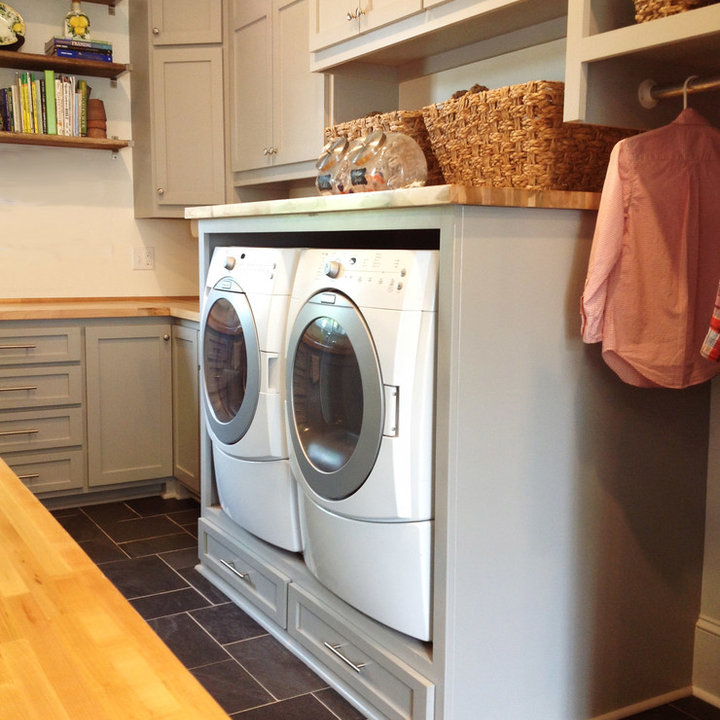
(655, 259)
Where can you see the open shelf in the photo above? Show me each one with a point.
(31, 61)
(14, 138)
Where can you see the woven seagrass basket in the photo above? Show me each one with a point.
(514, 137)
(653, 9)
(408, 122)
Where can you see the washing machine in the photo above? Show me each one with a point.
(360, 404)
(243, 322)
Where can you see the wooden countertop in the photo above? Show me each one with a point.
(74, 308)
(435, 195)
(71, 646)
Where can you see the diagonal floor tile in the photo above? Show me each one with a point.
(142, 576)
(161, 544)
(305, 707)
(231, 686)
(169, 603)
(140, 528)
(188, 641)
(338, 704)
(228, 623)
(275, 667)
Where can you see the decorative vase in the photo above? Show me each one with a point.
(77, 23)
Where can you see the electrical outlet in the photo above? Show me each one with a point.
(143, 258)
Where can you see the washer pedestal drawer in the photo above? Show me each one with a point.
(396, 690)
(263, 585)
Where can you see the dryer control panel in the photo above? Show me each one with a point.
(393, 279)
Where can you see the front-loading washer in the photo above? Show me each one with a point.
(243, 322)
(360, 406)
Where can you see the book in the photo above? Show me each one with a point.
(78, 44)
(50, 107)
(81, 55)
(59, 105)
(36, 111)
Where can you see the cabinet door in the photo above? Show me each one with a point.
(129, 402)
(188, 137)
(186, 22)
(299, 94)
(186, 406)
(333, 21)
(251, 78)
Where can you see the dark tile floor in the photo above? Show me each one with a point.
(148, 549)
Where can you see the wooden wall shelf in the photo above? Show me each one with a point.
(31, 61)
(13, 138)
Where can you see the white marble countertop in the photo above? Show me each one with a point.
(410, 197)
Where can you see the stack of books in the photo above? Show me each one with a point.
(45, 104)
(79, 49)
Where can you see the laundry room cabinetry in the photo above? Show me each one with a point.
(186, 405)
(278, 107)
(129, 401)
(176, 52)
(333, 21)
(396, 32)
(609, 55)
(42, 413)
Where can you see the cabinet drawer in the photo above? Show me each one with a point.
(22, 346)
(47, 472)
(394, 688)
(35, 387)
(264, 586)
(40, 429)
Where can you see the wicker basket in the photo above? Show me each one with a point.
(515, 137)
(653, 9)
(409, 122)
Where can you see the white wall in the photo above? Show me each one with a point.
(66, 216)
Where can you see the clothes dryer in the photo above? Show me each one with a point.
(243, 321)
(360, 402)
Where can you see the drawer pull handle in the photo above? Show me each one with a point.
(29, 476)
(29, 431)
(13, 389)
(18, 347)
(230, 565)
(335, 650)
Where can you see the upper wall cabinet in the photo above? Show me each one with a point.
(609, 56)
(278, 107)
(186, 22)
(177, 105)
(334, 21)
(396, 32)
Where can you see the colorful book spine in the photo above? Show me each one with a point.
(50, 106)
(59, 105)
(35, 101)
(80, 44)
(82, 55)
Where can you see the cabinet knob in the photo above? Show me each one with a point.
(355, 14)
(156, 31)
(166, 337)
(161, 191)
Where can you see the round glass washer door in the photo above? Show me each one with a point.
(334, 389)
(231, 365)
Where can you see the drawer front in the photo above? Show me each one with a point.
(23, 346)
(264, 586)
(40, 429)
(49, 472)
(394, 688)
(35, 387)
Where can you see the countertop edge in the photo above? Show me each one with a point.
(90, 308)
(433, 195)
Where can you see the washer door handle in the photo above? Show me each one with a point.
(392, 408)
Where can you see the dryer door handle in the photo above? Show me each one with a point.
(392, 408)
(270, 373)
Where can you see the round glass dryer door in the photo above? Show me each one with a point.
(335, 395)
(231, 365)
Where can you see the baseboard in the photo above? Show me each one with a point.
(648, 704)
(706, 661)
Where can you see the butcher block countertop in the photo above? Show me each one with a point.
(184, 308)
(71, 646)
(433, 195)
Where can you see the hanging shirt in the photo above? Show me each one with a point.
(655, 259)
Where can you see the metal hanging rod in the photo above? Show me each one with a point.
(649, 92)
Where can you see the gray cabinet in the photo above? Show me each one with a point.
(186, 405)
(42, 423)
(129, 402)
(177, 106)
